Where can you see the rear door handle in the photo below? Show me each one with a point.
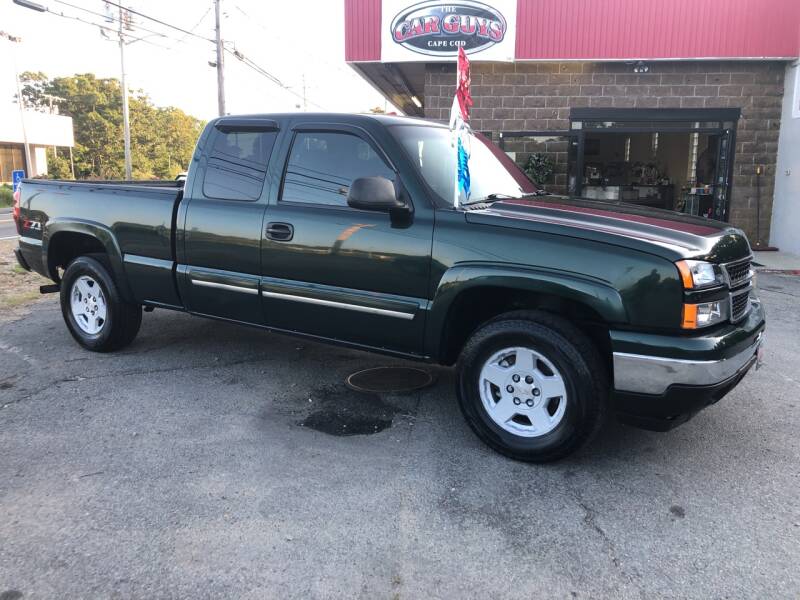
(280, 232)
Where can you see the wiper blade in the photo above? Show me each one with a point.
(495, 197)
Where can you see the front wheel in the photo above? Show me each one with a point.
(93, 309)
(532, 386)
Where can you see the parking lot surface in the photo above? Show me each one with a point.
(197, 464)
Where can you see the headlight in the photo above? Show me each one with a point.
(704, 314)
(697, 274)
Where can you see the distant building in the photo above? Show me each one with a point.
(43, 130)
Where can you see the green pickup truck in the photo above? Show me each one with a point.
(557, 313)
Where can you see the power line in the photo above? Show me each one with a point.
(275, 34)
(187, 33)
(159, 21)
(255, 67)
(110, 18)
(196, 25)
(104, 29)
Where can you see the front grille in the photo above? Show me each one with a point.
(738, 272)
(740, 304)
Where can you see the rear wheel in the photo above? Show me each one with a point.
(532, 386)
(93, 309)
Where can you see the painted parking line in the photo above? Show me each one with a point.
(6, 220)
(10, 237)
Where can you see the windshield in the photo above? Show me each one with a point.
(491, 171)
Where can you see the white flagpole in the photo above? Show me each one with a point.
(454, 125)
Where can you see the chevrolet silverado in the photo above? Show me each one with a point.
(342, 228)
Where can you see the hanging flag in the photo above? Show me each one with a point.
(459, 125)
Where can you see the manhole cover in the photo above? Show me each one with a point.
(382, 380)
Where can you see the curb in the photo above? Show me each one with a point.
(779, 271)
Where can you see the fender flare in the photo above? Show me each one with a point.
(592, 292)
(102, 234)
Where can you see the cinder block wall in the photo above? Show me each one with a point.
(538, 96)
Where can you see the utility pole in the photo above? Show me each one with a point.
(16, 40)
(220, 60)
(126, 124)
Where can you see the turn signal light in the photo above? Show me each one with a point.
(689, 316)
(705, 314)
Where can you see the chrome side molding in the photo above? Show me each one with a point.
(224, 286)
(345, 305)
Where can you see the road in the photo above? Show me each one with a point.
(183, 467)
(7, 227)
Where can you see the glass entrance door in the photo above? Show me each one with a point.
(675, 159)
(724, 172)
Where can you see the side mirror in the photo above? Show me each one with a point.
(374, 193)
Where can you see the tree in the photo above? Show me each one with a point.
(33, 89)
(58, 165)
(162, 139)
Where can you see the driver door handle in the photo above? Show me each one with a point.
(280, 232)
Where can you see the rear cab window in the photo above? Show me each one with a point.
(237, 164)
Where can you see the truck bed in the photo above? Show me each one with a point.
(136, 216)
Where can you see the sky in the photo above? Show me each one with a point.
(297, 41)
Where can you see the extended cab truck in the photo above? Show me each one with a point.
(342, 228)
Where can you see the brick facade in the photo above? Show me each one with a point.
(538, 96)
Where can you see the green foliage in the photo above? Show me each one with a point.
(539, 168)
(58, 166)
(162, 139)
(6, 195)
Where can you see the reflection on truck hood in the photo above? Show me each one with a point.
(677, 235)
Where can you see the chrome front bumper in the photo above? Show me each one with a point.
(642, 374)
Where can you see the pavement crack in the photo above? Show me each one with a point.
(213, 365)
(590, 521)
(80, 378)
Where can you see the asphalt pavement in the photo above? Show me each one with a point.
(189, 466)
(7, 228)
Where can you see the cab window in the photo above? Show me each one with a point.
(322, 166)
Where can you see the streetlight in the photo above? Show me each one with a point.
(16, 40)
(32, 5)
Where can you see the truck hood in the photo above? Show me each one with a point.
(669, 234)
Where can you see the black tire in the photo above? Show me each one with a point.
(123, 319)
(569, 350)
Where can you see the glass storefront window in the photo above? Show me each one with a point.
(548, 160)
(651, 125)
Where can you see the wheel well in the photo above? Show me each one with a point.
(475, 306)
(66, 246)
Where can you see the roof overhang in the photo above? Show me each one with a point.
(399, 83)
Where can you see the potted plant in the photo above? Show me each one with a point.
(539, 167)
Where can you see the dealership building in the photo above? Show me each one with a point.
(689, 105)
